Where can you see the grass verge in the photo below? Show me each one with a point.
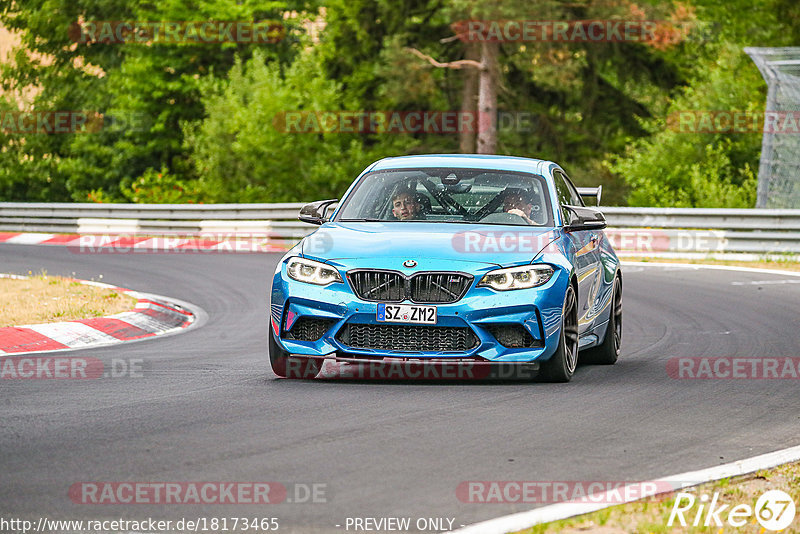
(652, 515)
(46, 299)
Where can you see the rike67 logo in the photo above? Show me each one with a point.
(774, 511)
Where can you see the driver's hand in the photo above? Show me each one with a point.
(520, 213)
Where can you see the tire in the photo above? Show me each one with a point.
(286, 366)
(607, 352)
(561, 366)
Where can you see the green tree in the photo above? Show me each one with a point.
(582, 100)
(248, 148)
(156, 84)
(48, 65)
(670, 167)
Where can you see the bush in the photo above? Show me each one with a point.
(154, 187)
(241, 151)
(671, 168)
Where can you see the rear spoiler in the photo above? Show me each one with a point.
(591, 192)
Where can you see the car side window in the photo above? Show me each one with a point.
(571, 191)
(565, 194)
(577, 199)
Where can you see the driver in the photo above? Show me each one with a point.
(405, 206)
(519, 202)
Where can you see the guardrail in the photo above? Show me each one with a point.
(639, 231)
(277, 220)
(698, 232)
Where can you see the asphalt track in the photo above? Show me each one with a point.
(208, 408)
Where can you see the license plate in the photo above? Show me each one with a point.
(406, 313)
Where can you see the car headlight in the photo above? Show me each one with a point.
(517, 277)
(312, 272)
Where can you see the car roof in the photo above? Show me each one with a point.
(471, 161)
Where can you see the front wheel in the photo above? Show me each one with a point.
(286, 366)
(561, 366)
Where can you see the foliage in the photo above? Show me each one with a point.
(156, 82)
(154, 187)
(245, 151)
(674, 168)
(202, 122)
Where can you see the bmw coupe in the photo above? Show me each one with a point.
(463, 259)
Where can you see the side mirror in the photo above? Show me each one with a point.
(581, 218)
(314, 213)
(591, 192)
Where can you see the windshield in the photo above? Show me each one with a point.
(448, 196)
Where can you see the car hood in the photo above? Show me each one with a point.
(430, 243)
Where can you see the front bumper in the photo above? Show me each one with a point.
(332, 312)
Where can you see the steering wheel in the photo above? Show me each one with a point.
(504, 218)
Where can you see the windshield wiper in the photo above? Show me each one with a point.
(367, 219)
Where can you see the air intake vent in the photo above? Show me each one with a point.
(408, 338)
(513, 336)
(309, 328)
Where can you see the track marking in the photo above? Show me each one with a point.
(697, 266)
(766, 282)
(564, 510)
(72, 334)
(555, 512)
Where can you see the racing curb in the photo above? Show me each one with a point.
(153, 315)
(556, 512)
(139, 244)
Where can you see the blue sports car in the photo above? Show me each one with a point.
(460, 259)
